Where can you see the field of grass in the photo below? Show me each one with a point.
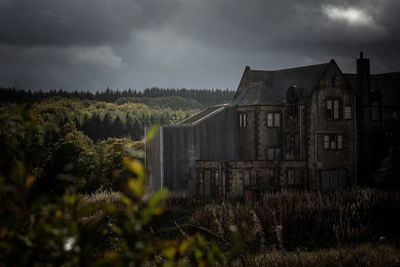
(340, 228)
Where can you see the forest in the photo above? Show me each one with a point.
(73, 193)
(87, 130)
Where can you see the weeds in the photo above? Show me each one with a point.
(307, 219)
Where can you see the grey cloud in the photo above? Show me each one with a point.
(76, 22)
(73, 68)
(185, 43)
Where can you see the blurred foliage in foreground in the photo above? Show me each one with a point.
(42, 229)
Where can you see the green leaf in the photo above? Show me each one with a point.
(152, 132)
(135, 166)
(157, 197)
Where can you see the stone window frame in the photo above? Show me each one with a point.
(331, 109)
(300, 172)
(275, 122)
(242, 120)
(277, 153)
(333, 142)
(348, 112)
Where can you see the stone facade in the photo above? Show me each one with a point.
(306, 128)
(308, 139)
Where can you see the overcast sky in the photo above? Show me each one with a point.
(94, 44)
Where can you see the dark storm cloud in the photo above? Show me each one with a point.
(299, 28)
(91, 44)
(76, 22)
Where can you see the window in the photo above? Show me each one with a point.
(277, 120)
(333, 179)
(242, 120)
(270, 120)
(277, 153)
(336, 109)
(274, 153)
(253, 176)
(246, 178)
(395, 115)
(270, 154)
(333, 81)
(333, 142)
(375, 111)
(340, 142)
(326, 141)
(273, 119)
(347, 113)
(294, 177)
(333, 109)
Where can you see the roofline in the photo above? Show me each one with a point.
(182, 123)
(209, 115)
(377, 74)
(299, 67)
(262, 105)
(246, 70)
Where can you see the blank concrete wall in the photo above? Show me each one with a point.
(214, 138)
(153, 160)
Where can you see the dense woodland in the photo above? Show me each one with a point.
(203, 96)
(84, 136)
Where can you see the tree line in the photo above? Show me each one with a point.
(205, 97)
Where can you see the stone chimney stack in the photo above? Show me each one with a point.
(363, 77)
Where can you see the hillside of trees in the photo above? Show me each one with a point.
(203, 96)
(84, 136)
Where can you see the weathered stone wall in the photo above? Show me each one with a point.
(332, 87)
(246, 135)
(232, 176)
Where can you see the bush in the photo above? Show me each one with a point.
(45, 230)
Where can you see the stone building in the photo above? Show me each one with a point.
(310, 127)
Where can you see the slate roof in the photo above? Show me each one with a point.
(388, 84)
(270, 87)
(202, 115)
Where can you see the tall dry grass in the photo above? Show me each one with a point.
(306, 219)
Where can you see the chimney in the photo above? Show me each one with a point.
(363, 77)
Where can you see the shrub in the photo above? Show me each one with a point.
(52, 231)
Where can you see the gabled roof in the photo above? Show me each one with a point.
(270, 87)
(387, 84)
